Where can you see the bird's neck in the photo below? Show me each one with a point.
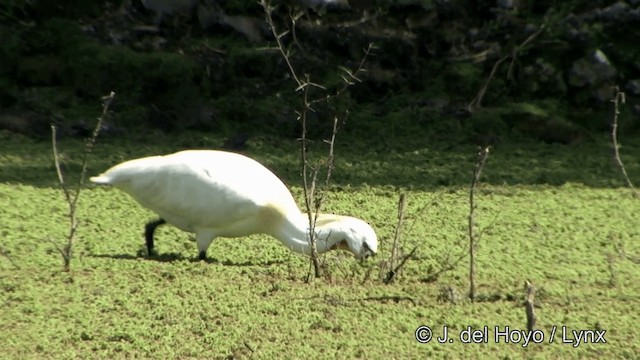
(295, 234)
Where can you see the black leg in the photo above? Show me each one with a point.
(149, 229)
(202, 255)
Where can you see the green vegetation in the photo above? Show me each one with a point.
(556, 215)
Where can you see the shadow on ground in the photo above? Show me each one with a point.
(173, 257)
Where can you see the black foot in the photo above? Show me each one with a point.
(149, 229)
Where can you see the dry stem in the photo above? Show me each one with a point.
(394, 250)
(529, 306)
(477, 101)
(394, 271)
(73, 197)
(313, 202)
(619, 99)
(481, 159)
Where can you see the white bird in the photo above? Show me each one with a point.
(222, 194)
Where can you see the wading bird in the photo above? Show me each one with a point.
(223, 194)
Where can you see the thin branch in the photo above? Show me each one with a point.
(365, 18)
(313, 198)
(481, 159)
(448, 267)
(384, 299)
(516, 50)
(309, 190)
(352, 74)
(334, 132)
(394, 249)
(529, 306)
(619, 99)
(391, 275)
(294, 20)
(402, 203)
(268, 9)
(477, 101)
(72, 199)
(56, 160)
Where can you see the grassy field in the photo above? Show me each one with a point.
(558, 216)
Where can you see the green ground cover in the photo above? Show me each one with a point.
(558, 216)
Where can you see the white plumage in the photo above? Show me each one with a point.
(223, 194)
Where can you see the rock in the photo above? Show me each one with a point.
(250, 27)
(633, 87)
(169, 7)
(593, 70)
(506, 4)
(614, 13)
(543, 77)
(604, 93)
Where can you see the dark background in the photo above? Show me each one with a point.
(210, 66)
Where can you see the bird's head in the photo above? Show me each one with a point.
(363, 241)
(354, 235)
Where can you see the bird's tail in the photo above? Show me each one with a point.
(100, 179)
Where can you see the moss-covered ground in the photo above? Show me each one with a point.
(558, 216)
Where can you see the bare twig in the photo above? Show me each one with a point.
(366, 17)
(338, 301)
(449, 265)
(294, 19)
(619, 99)
(331, 143)
(394, 249)
(477, 101)
(392, 273)
(73, 197)
(8, 15)
(351, 76)
(386, 298)
(481, 159)
(313, 198)
(529, 307)
(613, 278)
(308, 184)
(309, 189)
(268, 10)
(402, 203)
(516, 51)
(249, 346)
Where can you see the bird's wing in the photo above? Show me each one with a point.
(201, 189)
